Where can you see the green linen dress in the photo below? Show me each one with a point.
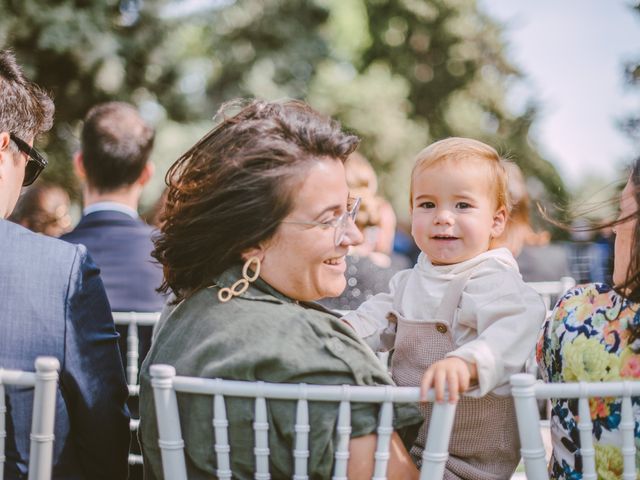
(260, 335)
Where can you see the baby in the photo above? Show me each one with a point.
(462, 317)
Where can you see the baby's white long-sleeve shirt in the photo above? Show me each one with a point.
(496, 323)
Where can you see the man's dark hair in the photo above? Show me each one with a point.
(25, 109)
(116, 144)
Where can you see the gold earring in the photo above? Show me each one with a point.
(241, 286)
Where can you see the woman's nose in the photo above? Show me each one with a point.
(352, 235)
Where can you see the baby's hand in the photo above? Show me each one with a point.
(454, 372)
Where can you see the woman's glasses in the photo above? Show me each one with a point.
(35, 160)
(340, 223)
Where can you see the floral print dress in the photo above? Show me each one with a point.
(592, 335)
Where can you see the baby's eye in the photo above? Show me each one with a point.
(427, 205)
(463, 205)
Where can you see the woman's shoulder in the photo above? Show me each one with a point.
(207, 338)
(591, 335)
(592, 289)
(248, 313)
(583, 301)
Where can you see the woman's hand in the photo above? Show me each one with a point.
(453, 372)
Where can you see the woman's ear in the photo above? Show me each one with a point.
(253, 252)
(499, 222)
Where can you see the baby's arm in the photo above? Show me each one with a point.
(507, 327)
(372, 317)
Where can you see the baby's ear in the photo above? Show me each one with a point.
(499, 222)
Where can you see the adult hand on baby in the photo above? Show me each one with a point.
(453, 372)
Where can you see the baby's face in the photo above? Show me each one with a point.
(454, 213)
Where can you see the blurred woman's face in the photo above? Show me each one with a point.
(624, 234)
(56, 205)
(303, 261)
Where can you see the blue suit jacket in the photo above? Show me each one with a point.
(121, 247)
(52, 302)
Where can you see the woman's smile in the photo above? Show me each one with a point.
(336, 262)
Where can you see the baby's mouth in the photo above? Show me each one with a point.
(444, 237)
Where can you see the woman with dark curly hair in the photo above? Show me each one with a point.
(256, 227)
(593, 335)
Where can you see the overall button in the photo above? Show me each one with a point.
(441, 327)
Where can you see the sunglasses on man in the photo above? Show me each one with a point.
(35, 160)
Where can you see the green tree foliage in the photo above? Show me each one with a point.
(452, 56)
(83, 53)
(632, 76)
(400, 73)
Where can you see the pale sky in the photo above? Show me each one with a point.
(573, 53)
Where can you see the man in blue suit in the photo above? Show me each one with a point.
(114, 163)
(52, 302)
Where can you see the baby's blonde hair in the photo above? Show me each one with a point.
(460, 150)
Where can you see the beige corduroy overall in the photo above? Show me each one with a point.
(484, 443)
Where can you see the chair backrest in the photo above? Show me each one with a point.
(132, 320)
(165, 384)
(45, 383)
(550, 291)
(526, 390)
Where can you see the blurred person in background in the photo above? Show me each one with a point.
(590, 251)
(153, 215)
(580, 250)
(604, 241)
(52, 302)
(371, 264)
(538, 260)
(43, 208)
(113, 164)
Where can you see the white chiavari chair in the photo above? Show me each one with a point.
(526, 390)
(45, 383)
(551, 291)
(133, 320)
(166, 385)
